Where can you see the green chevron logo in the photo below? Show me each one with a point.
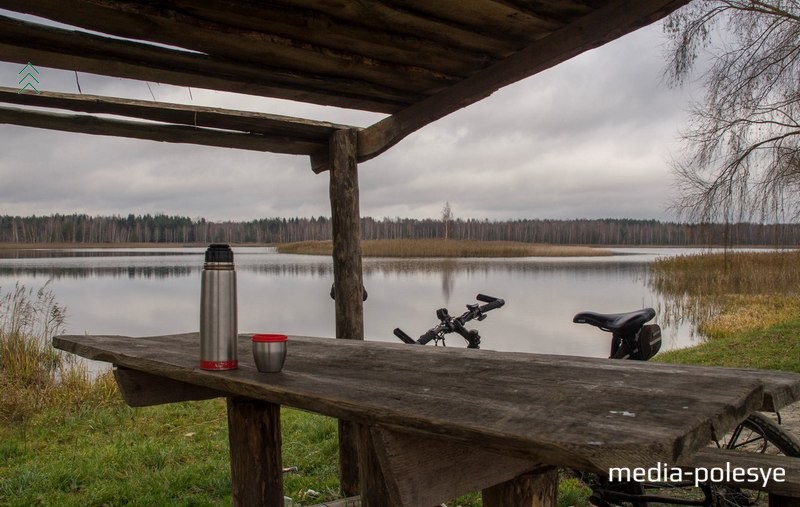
(27, 78)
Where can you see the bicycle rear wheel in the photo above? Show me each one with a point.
(760, 434)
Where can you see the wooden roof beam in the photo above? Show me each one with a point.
(88, 124)
(195, 116)
(613, 20)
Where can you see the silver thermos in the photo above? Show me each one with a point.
(218, 313)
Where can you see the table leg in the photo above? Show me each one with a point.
(254, 432)
(370, 474)
(527, 490)
(348, 458)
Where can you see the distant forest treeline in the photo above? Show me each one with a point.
(175, 229)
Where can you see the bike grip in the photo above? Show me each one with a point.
(430, 335)
(404, 337)
(497, 303)
(485, 298)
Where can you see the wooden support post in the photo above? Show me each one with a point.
(527, 490)
(347, 277)
(346, 222)
(254, 432)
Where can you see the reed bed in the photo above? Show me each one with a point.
(446, 248)
(728, 293)
(33, 375)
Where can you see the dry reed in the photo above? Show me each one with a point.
(728, 291)
(33, 374)
(446, 248)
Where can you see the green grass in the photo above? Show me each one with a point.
(776, 347)
(446, 248)
(173, 454)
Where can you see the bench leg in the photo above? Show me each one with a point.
(527, 490)
(254, 432)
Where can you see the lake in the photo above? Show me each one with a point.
(157, 291)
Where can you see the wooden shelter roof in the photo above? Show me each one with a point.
(415, 60)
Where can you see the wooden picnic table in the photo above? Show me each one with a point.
(447, 421)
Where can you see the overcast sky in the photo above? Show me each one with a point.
(590, 138)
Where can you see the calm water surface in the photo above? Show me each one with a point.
(157, 291)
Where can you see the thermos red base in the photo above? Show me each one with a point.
(219, 365)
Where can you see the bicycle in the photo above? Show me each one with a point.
(448, 324)
(633, 339)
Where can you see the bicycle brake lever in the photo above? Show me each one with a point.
(475, 310)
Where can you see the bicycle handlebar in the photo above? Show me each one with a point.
(404, 337)
(450, 324)
(492, 303)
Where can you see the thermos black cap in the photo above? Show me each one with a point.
(219, 252)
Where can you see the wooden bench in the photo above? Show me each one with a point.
(499, 419)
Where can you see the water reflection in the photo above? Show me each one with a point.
(144, 292)
(166, 266)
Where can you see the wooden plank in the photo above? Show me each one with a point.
(392, 19)
(611, 21)
(195, 116)
(527, 490)
(512, 403)
(141, 389)
(21, 42)
(87, 124)
(254, 432)
(429, 460)
(163, 25)
(295, 34)
(499, 19)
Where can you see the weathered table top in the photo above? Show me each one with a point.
(578, 412)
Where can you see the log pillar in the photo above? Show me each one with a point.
(354, 441)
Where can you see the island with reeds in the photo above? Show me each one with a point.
(446, 248)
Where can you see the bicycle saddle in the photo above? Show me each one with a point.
(615, 322)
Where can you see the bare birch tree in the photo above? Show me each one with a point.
(743, 140)
(447, 217)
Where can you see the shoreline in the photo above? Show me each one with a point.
(370, 248)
